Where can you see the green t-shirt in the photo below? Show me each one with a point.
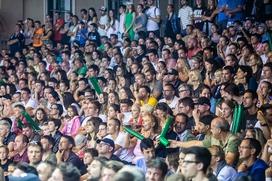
(231, 144)
(82, 70)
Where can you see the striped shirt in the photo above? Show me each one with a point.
(185, 15)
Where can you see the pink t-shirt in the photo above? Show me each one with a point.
(71, 127)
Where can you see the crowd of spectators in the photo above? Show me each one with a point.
(71, 87)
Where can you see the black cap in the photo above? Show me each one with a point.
(207, 119)
(172, 72)
(108, 141)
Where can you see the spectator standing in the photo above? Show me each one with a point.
(16, 40)
(172, 22)
(121, 28)
(129, 21)
(112, 27)
(103, 21)
(140, 23)
(153, 18)
(58, 25)
(185, 15)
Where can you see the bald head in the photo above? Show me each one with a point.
(221, 123)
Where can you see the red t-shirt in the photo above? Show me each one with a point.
(57, 27)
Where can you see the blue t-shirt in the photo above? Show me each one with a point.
(221, 15)
(233, 4)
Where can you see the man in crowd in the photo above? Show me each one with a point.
(53, 126)
(251, 165)
(169, 96)
(65, 153)
(220, 136)
(20, 149)
(148, 149)
(156, 170)
(34, 153)
(196, 163)
(220, 168)
(106, 148)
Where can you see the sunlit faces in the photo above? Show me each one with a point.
(107, 174)
(226, 110)
(111, 126)
(214, 129)
(56, 175)
(34, 153)
(3, 153)
(194, 76)
(102, 131)
(245, 150)
(94, 169)
(154, 174)
(180, 124)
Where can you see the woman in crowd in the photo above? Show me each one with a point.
(140, 23)
(129, 21)
(28, 31)
(92, 16)
(72, 125)
(112, 27)
(40, 116)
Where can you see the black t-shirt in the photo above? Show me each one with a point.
(249, 120)
(162, 151)
(75, 160)
(10, 138)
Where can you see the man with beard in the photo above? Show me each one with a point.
(186, 106)
(250, 99)
(180, 127)
(144, 97)
(169, 96)
(154, 84)
(172, 78)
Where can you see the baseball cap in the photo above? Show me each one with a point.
(107, 141)
(24, 177)
(172, 72)
(207, 119)
(203, 101)
(103, 8)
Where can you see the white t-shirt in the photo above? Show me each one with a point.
(113, 29)
(104, 20)
(185, 15)
(31, 103)
(121, 28)
(173, 104)
(122, 153)
(151, 24)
